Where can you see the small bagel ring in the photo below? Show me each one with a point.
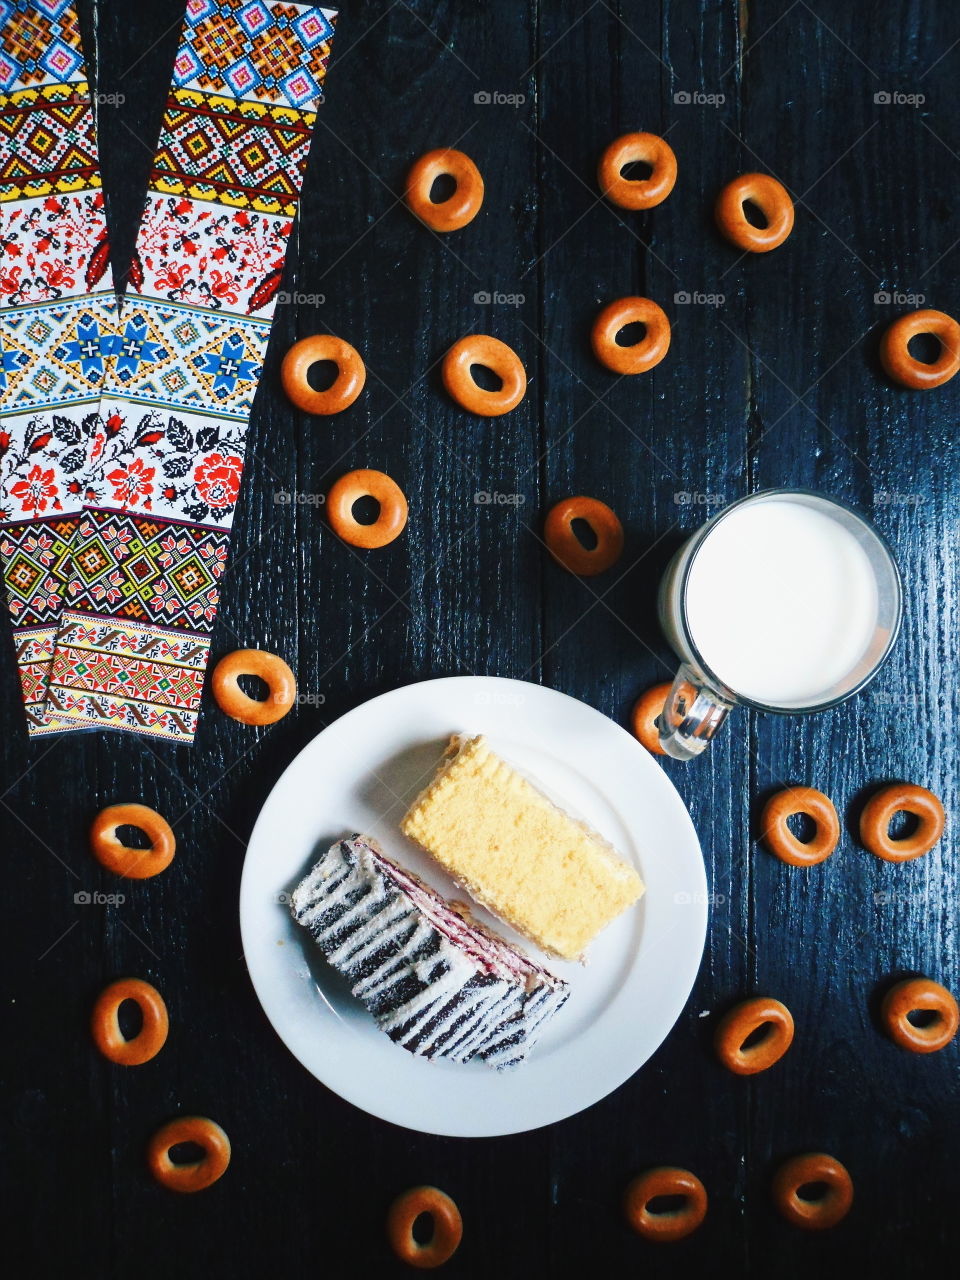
(773, 201)
(675, 1224)
(741, 1022)
(900, 364)
(132, 864)
(640, 356)
(273, 671)
(813, 1215)
(643, 719)
(447, 1227)
(459, 208)
(880, 808)
(567, 549)
(631, 148)
(926, 995)
(388, 525)
(478, 348)
(780, 840)
(351, 374)
(201, 1173)
(105, 1025)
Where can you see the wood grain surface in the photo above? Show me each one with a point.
(773, 381)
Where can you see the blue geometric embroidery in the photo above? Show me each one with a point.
(10, 362)
(135, 347)
(175, 356)
(40, 42)
(228, 366)
(56, 352)
(91, 348)
(258, 49)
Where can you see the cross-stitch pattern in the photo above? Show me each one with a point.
(166, 459)
(179, 465)
(53, 247)
(207, 256)
(182, 357)
(47, 142)
(43, 462)
(128, 675)
(39, 43)
(245, 154)
(148, 569)
(55, 335)
(30, 555)
(259, 49)
(55, 353)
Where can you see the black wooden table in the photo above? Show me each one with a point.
(772, 379)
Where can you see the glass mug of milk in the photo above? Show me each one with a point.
(785, 601)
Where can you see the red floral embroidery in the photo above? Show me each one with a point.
(32, 493)
(218, 479)
(131, 484)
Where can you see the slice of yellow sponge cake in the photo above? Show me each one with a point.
(544, 873)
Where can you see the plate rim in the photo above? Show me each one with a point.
(698, 920)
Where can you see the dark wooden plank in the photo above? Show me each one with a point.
(832, 937)
(653, 447)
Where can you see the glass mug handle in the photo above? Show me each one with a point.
(692, 714)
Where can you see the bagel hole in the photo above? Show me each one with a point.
(631, 334)
(924, 347)
(756, 1037)
(366, 509)
(802, 827)
(666, 1204)
(583, 531)
(133, 837)
(422, 1229)
(130, 1019)
(442, 188)
(322, 374)
(923, 1018)
(903, 825)
(636, 171)
(755, 215)
(813, 1191)
(186, 1153)
(485, 378)
(254, 687)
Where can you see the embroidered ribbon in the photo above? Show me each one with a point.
(166, 464)
(57, 321)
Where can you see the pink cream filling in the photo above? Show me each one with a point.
(492, 954)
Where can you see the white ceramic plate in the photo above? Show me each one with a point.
(360, 775)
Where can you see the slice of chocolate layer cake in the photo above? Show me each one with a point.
(437, 982)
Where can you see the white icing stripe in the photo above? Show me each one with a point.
(467, 992)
